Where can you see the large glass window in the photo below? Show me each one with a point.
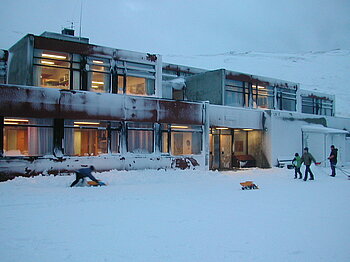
(86, 138)
(140, 138)
(234, 93)
(28, 136)
(263, 96)
(316, 105)
(99, 75)
(56, 69)
(184, 140)
(115, 130)
(136, 78)
(286, 99)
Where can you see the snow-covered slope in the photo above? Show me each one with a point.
(326, 72)
(177, 216)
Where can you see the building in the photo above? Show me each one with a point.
(67, 103)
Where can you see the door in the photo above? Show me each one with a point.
(221, 148)
(225, 151)
(214, 151)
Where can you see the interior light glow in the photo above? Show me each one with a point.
(94, 86)
(221, 128)
(86, 123)
(247, 129)
(10, 123)
(261, 87)
(183, 127)
(97, 62)
(47, 62)
(15, 120)
(98, 83)
(54, 56)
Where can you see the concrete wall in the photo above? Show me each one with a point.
(208, 86)
(20, 65)
(284, 134)
(232, 117)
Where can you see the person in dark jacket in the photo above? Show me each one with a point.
(82, 173)
(307, 159)
(297, 165)
(333, 159)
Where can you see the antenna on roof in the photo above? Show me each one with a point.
(81, 17)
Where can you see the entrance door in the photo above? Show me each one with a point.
(226, 151)
(214, 151)
(221, 149)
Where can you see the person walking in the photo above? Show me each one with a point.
(333, 159)
(82, 173)
(297, 165)
(307, 159)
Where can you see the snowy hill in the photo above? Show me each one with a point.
(177, 216)
(326, 72)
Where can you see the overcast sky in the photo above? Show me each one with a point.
(186, 26)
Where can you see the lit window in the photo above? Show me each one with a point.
(85, 138)
(263, 96)
(99, 75)
(184, 140)
(28, 136)
(56, 69)
(136, 78)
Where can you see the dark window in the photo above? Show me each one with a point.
(286, 99)
(234, 93)
(140, 138)
(316, 106)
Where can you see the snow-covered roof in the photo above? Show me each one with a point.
(322, 129)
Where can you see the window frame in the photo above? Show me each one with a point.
(128, 68)
(49, 125)
(170, 129)
(73, 67)
(129, 127)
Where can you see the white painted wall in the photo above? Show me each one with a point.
(226, 116)
(284, 133)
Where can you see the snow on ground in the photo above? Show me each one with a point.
(177, 216)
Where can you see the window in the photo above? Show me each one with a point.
(316, 105)
(263, 96)
(234, 93)
(286, 99)
(87, 138)
(184, 140)
(115, 129)
(99, 75)
(28, 136)
(56, 70)
(240, 142)
(136, 78)
(140, 138)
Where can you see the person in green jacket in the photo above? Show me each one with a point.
(297, 164)
(307, 159)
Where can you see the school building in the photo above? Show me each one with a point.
(66, 103)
